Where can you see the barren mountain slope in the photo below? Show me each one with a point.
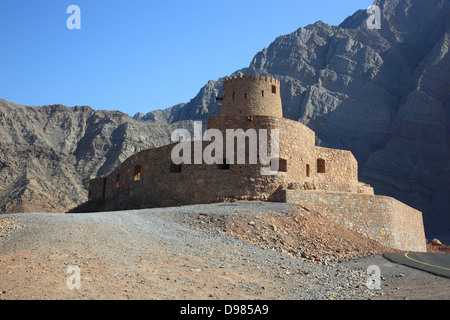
(49, 153)
(382, 94)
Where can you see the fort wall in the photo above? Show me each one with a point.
(379, 218)
(336, 169)
(161, 183)
(297, 150)
(150, 178)
(96, 188)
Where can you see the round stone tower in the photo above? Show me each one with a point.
(251, 96)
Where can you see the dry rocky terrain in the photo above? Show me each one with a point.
(297, 232)
(382, 94)
(222, 251)
(48, 154)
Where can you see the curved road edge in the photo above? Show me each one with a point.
(435, 263)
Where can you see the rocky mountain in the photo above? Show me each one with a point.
(50, 152)
(381, 93)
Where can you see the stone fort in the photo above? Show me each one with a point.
(314, 177)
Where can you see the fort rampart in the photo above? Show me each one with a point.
(379, 218)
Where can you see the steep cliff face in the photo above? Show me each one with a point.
(197, 109)
(383, 94)
(49, 153)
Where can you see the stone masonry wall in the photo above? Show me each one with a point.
(378, 217)
(96, 187)
(251, 96)
(297, 148)
(341, 169)
(150, 179)
(161, 183)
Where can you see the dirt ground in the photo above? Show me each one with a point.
(299, 232)
(205, 252)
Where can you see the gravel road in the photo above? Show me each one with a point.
(156, 254)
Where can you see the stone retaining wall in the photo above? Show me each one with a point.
(379, 218)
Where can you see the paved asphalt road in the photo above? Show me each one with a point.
(436, 263)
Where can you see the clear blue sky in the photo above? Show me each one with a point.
(140, 55)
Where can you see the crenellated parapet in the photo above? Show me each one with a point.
(252, 78)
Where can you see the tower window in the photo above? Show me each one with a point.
(274, 89)
(104, 189)
(262, 93)
(245, 95)
(118, 180)
(233, 95)
(137, 173)
(224, 165)
(320, 166)
(307, 170)
(282, 165)
(175, 167)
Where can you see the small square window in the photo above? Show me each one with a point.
(175, 167)
(282, 165)
(224, 165)
(137, 173)
(320, 166)
(117, 180)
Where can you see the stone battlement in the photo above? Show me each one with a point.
(252, 78)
